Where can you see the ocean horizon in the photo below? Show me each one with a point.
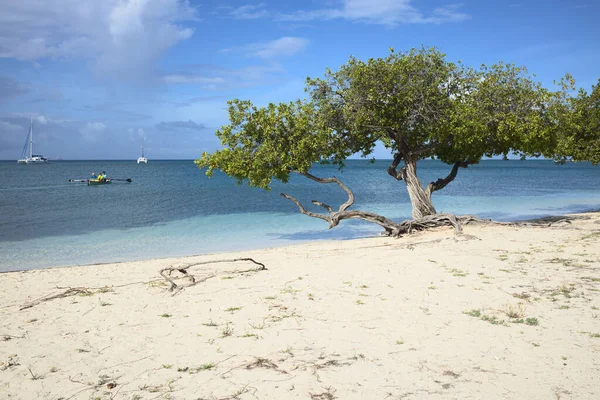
(172, 209)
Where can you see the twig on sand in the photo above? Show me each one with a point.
(74, 291)
(104, 380)
(123, 363)
(67, 293)
(6, 337)
(176, 288)
(264, 363)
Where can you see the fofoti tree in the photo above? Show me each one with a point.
(417, 104)
(578, 134)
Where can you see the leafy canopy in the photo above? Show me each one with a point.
(416, 103)
(579, 135)
(267, 142)
(420, 105)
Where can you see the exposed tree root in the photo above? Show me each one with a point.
(192, 280)
(428, 222)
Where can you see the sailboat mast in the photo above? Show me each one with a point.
(31, 139)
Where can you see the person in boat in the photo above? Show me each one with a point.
(94, 175)
(103, 175)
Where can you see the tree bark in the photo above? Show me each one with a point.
(419, 198)
(442, 182)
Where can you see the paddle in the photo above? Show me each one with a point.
(78, 180)
(120, 179)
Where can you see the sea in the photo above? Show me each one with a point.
(171, 208)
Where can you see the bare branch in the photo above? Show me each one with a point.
(335, 217)
(304, 210)
(441, 183)
(333, 179)
(392, 168)
(325, 206)
(391, 228)
(175, 288)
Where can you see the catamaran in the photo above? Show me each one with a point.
(33, 158)
(142, 159)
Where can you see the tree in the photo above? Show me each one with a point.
(418, 104)
(579, 128)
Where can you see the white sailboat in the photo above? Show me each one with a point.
(32, 158)
(142, 159)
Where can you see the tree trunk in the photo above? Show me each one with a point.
(419, 198)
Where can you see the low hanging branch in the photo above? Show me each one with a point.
(443, 182)
(167, 272)
(392, 170)
(390, 227)
(335, 217)
(395, 229)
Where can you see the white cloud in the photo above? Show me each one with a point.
(6, 126)
(212, 77)
(448, 13)
(136, 134)
(282, 47)
(285, 46)
(188, 78)
(118, 37)
(250, 11)
(382, 12)
(10, 87)
(177, 125)
(93, 130)
(41, 119)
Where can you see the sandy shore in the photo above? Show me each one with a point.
(514, 315)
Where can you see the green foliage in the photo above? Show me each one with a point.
(268, 142)
(421, 105)
(579, 128)
(404, 100)
(504, 111)
(417, 103)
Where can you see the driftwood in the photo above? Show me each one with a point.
(167, 272)
(74, 291)
(67, 293)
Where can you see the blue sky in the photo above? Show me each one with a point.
(98, 76)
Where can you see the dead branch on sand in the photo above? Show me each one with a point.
(192, 280)
(67, 293)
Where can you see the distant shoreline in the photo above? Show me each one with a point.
(351, 159)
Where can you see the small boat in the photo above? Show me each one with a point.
(33, 158)
(93, 182)
(142, 159)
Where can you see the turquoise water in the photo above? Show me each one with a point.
(171, 208)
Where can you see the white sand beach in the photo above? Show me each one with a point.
(512, 314)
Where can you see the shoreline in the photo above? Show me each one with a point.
(549, 219)
(511, 313)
